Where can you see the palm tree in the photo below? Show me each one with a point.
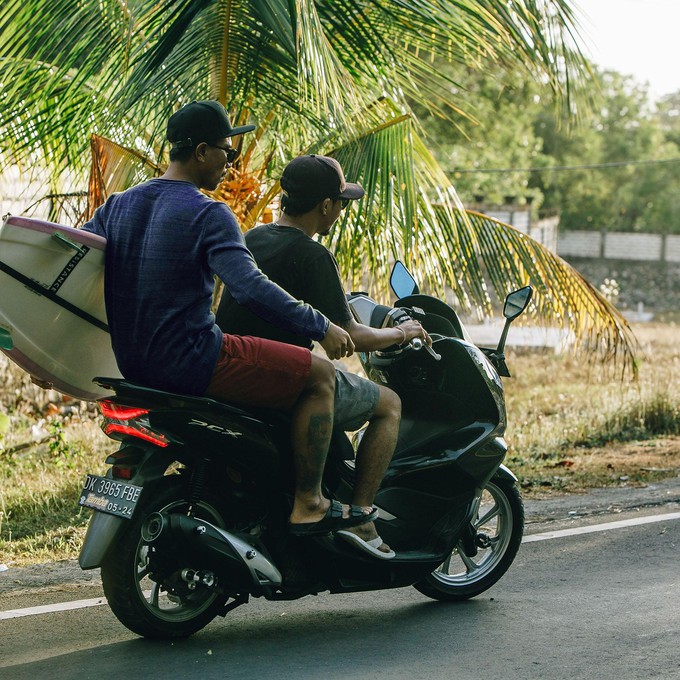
(317, 76)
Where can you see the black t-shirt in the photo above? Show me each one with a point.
(300, 265)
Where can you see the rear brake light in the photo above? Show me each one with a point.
(136, 431)
(110, 409)
(129, 421)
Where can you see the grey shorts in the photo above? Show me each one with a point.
(355, 400)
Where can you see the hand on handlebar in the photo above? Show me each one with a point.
(418, 337)
(337, 343)
(413, 330)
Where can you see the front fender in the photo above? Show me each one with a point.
(505, 473)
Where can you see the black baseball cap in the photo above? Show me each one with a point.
(202, 121)
(318, 177)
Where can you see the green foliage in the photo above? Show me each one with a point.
(4, 426)
(618, 196)
(61, 450)
(71, 67)
(499, 133)
(581, 170)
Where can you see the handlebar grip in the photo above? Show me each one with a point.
(418, 343)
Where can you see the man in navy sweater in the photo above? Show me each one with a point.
(165, 240)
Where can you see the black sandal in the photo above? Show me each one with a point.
(333, 520)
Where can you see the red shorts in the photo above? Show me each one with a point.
(258, 372)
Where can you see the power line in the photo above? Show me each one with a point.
(590, 166)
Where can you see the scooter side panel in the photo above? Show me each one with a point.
(408, 516)
(247, 445)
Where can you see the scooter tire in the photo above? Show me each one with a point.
(480, 572)
(156, 614)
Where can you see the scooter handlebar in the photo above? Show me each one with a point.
(418, 344)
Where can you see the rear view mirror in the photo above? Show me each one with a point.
(517, 302)
(401, 281)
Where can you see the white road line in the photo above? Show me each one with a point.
(636, 521)
(548, 535)
(49, 608)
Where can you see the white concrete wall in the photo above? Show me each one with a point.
(623, 246)
(673, 248)
(619, 245)
(579, 243)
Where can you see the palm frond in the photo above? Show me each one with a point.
(114, 168)
(327, 76)
(474, 258)
(562, 296)
(320, 61)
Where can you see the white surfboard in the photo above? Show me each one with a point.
(52, 317)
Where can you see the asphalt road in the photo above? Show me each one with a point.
(597, 605)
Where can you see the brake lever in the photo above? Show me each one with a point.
(418, 344)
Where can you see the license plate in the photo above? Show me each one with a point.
(110, 496)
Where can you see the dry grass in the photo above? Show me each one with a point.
(572, 428)
(46, 446)
(569, 429)
(39, 486)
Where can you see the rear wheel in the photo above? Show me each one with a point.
(149, 594)
(497, 529)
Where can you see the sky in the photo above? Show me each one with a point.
(636, 37)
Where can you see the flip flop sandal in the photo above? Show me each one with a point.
(333, 520)
(370, 547)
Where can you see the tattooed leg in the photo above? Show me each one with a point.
(311, 433)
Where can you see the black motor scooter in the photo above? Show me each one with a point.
(191, 517)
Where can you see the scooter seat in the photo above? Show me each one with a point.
(149, 395)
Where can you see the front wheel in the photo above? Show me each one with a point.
(497, 528)
(147, 593)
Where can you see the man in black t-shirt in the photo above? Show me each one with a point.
(314, 194)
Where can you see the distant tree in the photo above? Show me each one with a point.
(662, 189)
(668, 115)
(616, 183)
(497, 132)
(512, 124)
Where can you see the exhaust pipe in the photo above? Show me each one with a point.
(218, 549)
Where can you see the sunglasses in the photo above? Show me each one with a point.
(231, 153)
(344, 202)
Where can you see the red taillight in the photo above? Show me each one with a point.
(110, 409)
(135, 430)
(129, 421)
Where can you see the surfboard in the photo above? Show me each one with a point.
(52, 316)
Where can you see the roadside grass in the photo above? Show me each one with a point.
(47, 444)
(40, 520)
(570, 428)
